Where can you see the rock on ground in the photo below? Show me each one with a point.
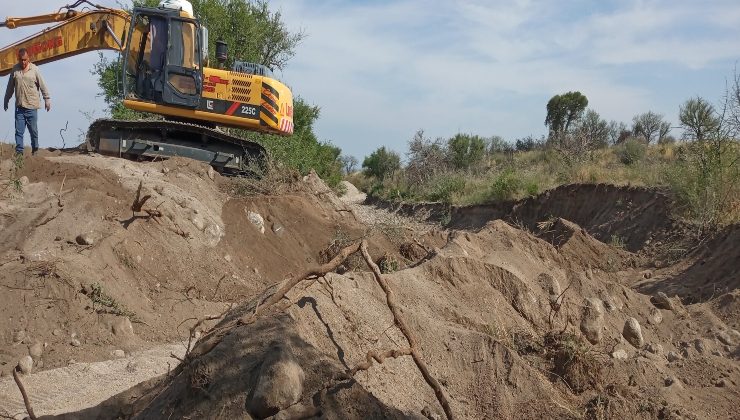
(36, 350)
(122, 327)
(280, 383)
(633, 333)
(662, 301)
(655, 317)
(592, 321)
(26, 364)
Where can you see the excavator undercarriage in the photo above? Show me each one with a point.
(227, 154)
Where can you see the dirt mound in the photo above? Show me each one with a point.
(352, 194)
(83, 275)
(578, 246)
(490, 331)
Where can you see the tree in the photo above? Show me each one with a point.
(650, 126)
(349, 163)
(563, 110)
(426, 158)
(497, 144)
(618, 132)
(698, 118)
(251, 30)
(731, 108)
(381, 163)
(593, 130)
(302, 150)
(466, 151)
(527, 144)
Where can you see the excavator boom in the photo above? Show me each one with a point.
(77, 33)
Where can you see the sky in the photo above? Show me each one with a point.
(382, 70)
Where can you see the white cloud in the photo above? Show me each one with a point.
(412, 64)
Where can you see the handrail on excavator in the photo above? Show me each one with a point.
(64, 13)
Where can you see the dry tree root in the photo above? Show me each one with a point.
(378, 357)
(26, 401)
(275, 303)
(197, 324)
(410, 337)
(59, 196)
(214, 336)
(313, 273)
(139, 200)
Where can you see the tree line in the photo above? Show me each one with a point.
(574, 130)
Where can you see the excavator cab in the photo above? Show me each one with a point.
(163, 60)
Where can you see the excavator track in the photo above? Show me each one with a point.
(227, 154)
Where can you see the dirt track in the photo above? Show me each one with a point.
(480, 299)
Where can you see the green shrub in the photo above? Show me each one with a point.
(705, 180)
(381, 164)
(445, 187)
(631, 151)
(532, 188)
(505, 186)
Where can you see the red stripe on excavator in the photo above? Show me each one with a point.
(232, 108)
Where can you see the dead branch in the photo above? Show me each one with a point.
(410, 337)
(153, 214)
(26, 401)
(49, 219)
(198, 324)
(180, 231)
(378, 357)
(557, 304)
(138, 200)
(214, 336)
(59, 196)
(280, 302)
(217, 286)
(315, 272)
(417, 242)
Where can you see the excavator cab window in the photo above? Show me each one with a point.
(162, 64)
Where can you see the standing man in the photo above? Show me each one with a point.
(25, 81)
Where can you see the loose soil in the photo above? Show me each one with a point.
(496, 300)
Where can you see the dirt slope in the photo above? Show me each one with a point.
(515, 320)
(133, 279)
(480, 307)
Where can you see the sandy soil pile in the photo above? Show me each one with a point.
(84, 278)
(547, 318)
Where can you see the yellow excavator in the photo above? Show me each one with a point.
(165, 71)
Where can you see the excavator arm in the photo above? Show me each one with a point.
(98, 28)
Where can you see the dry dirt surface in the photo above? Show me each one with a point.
(530, 319)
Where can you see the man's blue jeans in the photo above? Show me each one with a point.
(25, 117)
